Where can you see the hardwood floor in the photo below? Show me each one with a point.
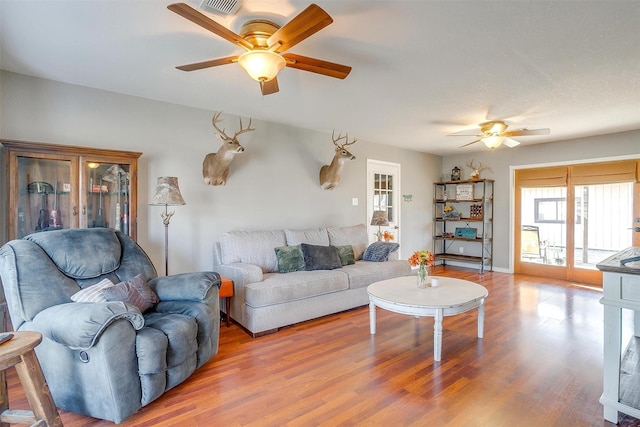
(539, 364)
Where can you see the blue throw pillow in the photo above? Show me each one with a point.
(379, 251)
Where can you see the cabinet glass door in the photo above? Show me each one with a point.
(107, 191)
(45, 196)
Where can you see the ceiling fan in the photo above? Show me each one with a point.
(494, 133)
(265, 42)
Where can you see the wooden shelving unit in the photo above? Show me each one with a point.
(464, 234)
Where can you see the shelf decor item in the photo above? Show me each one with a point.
(455, 174)
(466, 232)
(449, 212)
(475, 211)
(464, 192)
(422, 259)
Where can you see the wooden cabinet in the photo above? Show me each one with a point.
(53, 187)
(621, 370)
(463, 222)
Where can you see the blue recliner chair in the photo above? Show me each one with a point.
(107, 359)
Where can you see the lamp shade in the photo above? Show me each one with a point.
(167, 192)
(262, 65)
(379, 218)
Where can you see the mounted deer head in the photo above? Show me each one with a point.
(215, 167)
(330, 174)
(475, 170)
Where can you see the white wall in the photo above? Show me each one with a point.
(503, 159)
(273, 184)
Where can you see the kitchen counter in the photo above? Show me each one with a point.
(612, 264)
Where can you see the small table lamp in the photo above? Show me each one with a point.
(379, 218)
(167, 194)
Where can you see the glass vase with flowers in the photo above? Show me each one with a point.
(422, 259)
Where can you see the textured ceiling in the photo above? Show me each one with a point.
(421, 69)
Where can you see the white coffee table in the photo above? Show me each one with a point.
(452, 296)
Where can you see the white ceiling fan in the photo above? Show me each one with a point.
(494, 133)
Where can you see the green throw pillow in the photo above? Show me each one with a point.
(347, 256)
(289, 259)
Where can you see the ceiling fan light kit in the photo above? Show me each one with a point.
(262, 65)
(265, 42)
(493, 134)
(493, 141)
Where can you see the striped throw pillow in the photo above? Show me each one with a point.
(93, 293)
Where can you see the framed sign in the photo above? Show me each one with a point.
(466, 232)
(464, 192)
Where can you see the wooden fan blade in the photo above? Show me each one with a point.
(510, 142)
(308, 22)
(207, 64)
(472, 142)
(525, 132)
(207, 23)
(318, 66)
(270, 86)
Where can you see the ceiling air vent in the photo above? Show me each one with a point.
(227, 7)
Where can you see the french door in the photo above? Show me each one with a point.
(570, 218)
(383, 197)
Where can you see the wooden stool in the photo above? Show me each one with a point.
(19, 352)
(226, 292)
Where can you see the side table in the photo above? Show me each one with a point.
(19, 352)
(226, 292)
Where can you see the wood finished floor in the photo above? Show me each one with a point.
(539, 364)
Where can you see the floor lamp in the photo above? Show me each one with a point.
(167, 194)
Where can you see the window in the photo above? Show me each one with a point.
(383, 195)
(553, 210)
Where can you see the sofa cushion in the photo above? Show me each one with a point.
(68, 249)
(320, 257)
(363, 273)
(355, 235)
(346, 254)
(252, 247)
(181, 332)
(312, 236)
(289, 259)
(282, 288)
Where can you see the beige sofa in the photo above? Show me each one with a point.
(265, 299)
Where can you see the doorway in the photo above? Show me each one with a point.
(383, 197)
(570, 218)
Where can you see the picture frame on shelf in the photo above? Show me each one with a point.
(464, 192)
(466, 232)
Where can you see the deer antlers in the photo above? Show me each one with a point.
(222, 133)
(346, 140)
(475, 170)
